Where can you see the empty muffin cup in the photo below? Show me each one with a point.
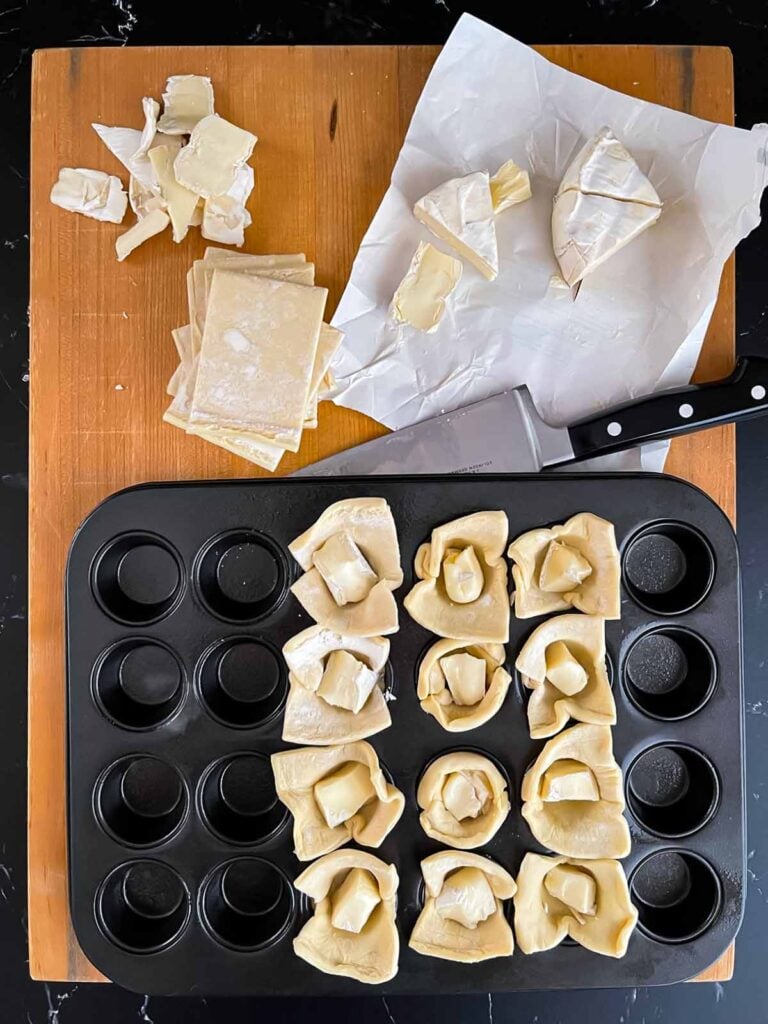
(137, 578)
(238, 802)
(669, 673)
(241, 681)
(668, 568)
(677, 895)
(241, 576)
(138, 683)
(247, 903)
(143, 906)
(672, 790)
(141, 800)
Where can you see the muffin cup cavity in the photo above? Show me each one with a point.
(247, 904)
(241, 682)
(238, 802)
(141, 801)
(677, 894)
(672, 790)
(668, 568)
(137, 578)
(138, 683)
(241, 576)
(143, 906)
(669, 673)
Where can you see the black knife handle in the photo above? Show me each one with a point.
(665, 414)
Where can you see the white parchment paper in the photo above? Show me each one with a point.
(639, 320)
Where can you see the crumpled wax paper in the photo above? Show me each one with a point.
(639, 320)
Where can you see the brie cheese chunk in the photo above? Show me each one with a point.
(569, 780)
(573, 886)
(510, 185)
(465, 676)
(144, 200)
(463, 575)
(216, 150)
(465, 795)
(344, 569)
(354, 901)
(564, 670)
(604, 201)
(460, 212)
(187, 99)
(92, 193)
(466, 897)
(225, 218)
(341, 795)
(347, 682)
(564, 568)
(152, 224)
(180, 202)
(420, 296)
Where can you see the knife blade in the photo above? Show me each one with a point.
(506, 434)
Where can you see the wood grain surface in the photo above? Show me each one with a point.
(330, 121)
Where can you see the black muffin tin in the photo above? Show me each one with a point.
(181, 857)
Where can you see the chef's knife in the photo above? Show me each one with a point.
(505, 434)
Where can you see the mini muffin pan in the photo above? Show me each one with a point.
(181, 856)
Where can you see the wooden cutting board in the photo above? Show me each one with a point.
(331, 121)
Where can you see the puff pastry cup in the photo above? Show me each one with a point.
(335, 687)
(573, 798)
(351, 559)
(563, 663)
(463, 800)
(586, 899)
(462, 588)
(462, 684)
(336, 794)
(463, 915)
(352, 932)
(574, 565)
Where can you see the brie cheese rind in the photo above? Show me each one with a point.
(460, 212)
(349, 887)
(131, 146)
(510, 185)
(370, 525)
(463, 916)
(463, 800)
(216, 151)
(92, 193)
(225, 217)
(604, 201)
(577, 761)
(186, 100)
(440, 679)
(584, 537)
(544, 915)
(421, 295)
(313, 717)
(444, 579)
(350, 780)
(563, 663)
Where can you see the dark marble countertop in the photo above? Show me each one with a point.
(29, 24)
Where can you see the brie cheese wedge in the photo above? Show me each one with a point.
(460, 212)
(604, 201)
(92, 193)
(180, 202)
(142, 230)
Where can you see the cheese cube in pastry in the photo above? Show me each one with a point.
(568, 780)
(465, 676)
(573, 886)
(344, 569)
(563, 670)
(346, 682)
(354, 901)
(563, 568)
(341, 795)
(463, 575)
(465, 795)
(466, 897)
